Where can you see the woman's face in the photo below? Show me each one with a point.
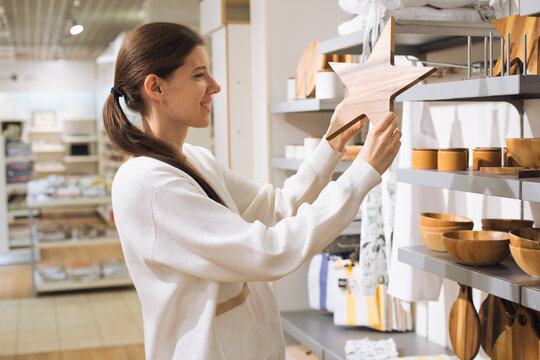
(188, 92)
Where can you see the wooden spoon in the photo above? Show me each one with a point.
(493, 321)
(519, 342)
(464, 325)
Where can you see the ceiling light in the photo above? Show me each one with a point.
(76, 29)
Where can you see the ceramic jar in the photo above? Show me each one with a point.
(424, 158)
(486, 157)
(453, 159)
(328, 85)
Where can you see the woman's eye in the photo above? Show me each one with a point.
(199, 75)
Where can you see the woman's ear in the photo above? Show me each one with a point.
(152, 87)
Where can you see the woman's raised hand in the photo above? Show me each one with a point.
(338, 143)
(382, 143)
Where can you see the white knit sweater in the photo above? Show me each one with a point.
(186, 253)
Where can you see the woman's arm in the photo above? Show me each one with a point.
(180, 228)
(268, 204)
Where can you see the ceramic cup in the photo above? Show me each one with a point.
(453, 159)
(486, 157)
(424, 158)
(291, 88)
(327, 85)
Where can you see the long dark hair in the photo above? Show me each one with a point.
(155, 48)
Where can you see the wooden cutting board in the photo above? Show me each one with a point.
(520, 172)
(374, 85)
(310, 62)
(519, 342)
(517, 26)
(464, 325)
(493, 321)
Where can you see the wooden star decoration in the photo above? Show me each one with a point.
(374, 85)
(516, 26)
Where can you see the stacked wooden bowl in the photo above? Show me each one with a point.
(525, 249)
(505, 224)
(433, 225)
(477, 248)
(525, 151)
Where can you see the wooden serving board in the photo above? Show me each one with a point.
(374, 85)
(520, 172)
(519, 342)
(493, 321)
(464, 325)
(516, 26)
(310, 62)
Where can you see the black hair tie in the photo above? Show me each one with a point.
(116, 92)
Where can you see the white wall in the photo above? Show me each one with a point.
(47, 76)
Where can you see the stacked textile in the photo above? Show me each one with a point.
(333, 286)
(371, 13)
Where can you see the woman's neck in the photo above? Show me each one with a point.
(166, 132)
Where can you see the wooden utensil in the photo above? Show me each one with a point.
(516, 26)
(310, 62)
(519, 342)
(464, 325)
(493, 321)
(374, 85)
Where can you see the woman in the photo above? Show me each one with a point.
(200, 241)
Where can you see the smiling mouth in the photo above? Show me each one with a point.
(206, 105)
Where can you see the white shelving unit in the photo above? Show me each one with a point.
(4, 235)
(69, 285)
(418, 38)
(37, 247)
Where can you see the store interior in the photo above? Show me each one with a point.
(469, 162)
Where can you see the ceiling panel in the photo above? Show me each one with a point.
(39, 29)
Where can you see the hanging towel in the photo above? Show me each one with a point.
(380, 311)
(405, 282)
(322, 274)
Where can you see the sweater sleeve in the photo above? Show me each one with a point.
(197, 236)
(269, 204)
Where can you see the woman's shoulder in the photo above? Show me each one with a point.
(146, 172)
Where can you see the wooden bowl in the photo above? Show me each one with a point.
(477, 248)
(527, 259)
(424, 158)
(527, 238)
(525, 151)
(443, 220)
(443, 229)
(433, 240)
(505, 224)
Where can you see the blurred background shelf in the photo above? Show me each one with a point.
(69, 285)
